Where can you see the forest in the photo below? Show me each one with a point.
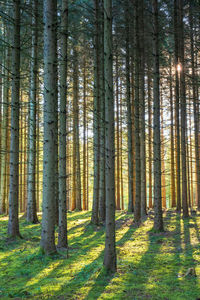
(100, 149)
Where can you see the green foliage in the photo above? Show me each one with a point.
(151, 265)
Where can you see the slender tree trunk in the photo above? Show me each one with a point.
(195, 107)
(62, 219)
(110, 251)
(13, 223)
(142, 109)
(177, 96)
(150, 136)
(96, 117)
(118, 207)
(4, 132)
(137, 211)
(50, 126)
(31, 205)
(102, 204)
(84, 135)
(183, 114)
(129, 117)
(38, 156)
(173, 192)
(76, 129)
(121, 150)
(162, 157)
(158, 219)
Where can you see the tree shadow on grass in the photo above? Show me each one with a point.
(139, 275)
(85, 276)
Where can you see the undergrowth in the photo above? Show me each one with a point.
(151, 265)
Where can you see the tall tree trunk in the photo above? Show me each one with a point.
(162, 156)
(31, 203)
(129, 117)
(76, 130)
(142, 109)
(195, 107)
(183, 113)
(110, 250)
(177, 123)
(173, 192)
(4, 131)
(102, 204)
(62, 218)
(50, 126)
(150, 136)
(137, 211)
(84, 135)
(96, 115)
(158, 219)
(13, 223)
(121, 150)
(118, 207)
(38, 155)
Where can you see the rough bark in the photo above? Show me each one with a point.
(129, 117)
(110, 250)
(137, 211)
(183, 113)
(195, 107)
(177, 105)
(31, 203)
(50, 127)
(96, 116)
(102, 204)
(13, 223)
(158, 219)
(62, 218)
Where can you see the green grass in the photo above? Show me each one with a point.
(150, 265)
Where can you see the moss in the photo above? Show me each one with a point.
(151, 265)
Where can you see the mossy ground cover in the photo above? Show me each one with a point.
(150, 265)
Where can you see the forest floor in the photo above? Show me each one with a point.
(150, 265)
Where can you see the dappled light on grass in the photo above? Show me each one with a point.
(150, 265)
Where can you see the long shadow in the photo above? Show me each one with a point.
(197, 229)
(87, 272)
(78, 215)
(14, 262)
(188, 246)
(139, 273)
(103, 280)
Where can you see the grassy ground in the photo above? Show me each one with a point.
(150, 265)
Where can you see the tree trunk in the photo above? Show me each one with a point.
(173, 192)
(110, 251)
(13, 223)
(31, 203)
(137, 211)
(102, 204)
(129, 117)
(158, 219)
(195, 108)
(177, 96)
(142, 109)
(4, 132)
(50, 126)
(183, 113)
(62, 219)
(96, 116)
(150, 136)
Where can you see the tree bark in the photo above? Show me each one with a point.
(50, 127)
(158, 219)
(13, 223)
(110, 251)
(31, 203)
(62, 218)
